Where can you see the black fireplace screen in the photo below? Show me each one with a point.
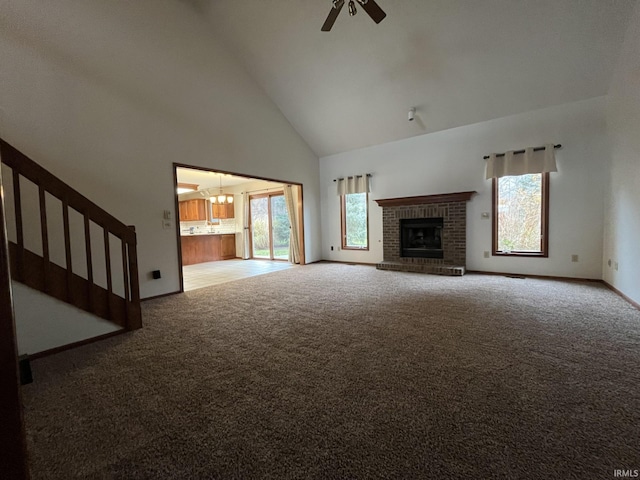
(421, 237)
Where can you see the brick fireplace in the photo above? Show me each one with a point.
(426, 234)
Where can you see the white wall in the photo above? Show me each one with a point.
(58, 323)
(451, 161)
(106, 95)
(622, 210)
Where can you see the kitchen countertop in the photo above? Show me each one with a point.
(187, 234)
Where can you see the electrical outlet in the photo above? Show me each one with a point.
(574, 258)
(616, 265)
(609, 262)
(487, 254)
(166, 224)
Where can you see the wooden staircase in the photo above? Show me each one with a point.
(78, 288)
(38, 271)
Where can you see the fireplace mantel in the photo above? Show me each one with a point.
(425, 199)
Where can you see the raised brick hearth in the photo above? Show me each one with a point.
(451, 207)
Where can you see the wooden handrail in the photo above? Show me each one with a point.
(83, 293)
(56, 187)
(13, 445)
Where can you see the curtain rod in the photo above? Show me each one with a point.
(267, 189)
(354, 176)
(537, 149)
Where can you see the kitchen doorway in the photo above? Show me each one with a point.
(269, 226)
(218, 238)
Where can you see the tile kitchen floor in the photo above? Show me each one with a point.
(212, 273)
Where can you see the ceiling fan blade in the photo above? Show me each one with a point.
(374, 11)
(333, 14)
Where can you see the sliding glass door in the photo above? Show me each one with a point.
(280, 232)
(269, 226)
(260, 238)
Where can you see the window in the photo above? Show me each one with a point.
(355, 221)
(521, 215)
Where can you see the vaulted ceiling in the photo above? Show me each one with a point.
(457, 61)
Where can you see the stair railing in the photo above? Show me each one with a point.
(13, 444)
(41, 273)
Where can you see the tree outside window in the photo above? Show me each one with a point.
(355, 221)
(520, 215)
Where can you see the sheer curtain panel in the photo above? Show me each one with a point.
(246, 245)
(291, 201)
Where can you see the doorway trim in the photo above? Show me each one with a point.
(249, 176)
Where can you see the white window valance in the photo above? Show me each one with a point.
(531, 161)
(355, 184)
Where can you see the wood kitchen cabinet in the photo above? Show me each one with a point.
(191, 210)
(228, 246)
(182, 211)
(207, 248)
(222, 210)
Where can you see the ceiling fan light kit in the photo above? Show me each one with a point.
(352, 8)
(369, 6)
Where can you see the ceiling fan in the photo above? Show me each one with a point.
(370, 6)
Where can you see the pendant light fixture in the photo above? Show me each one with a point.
(221, 198)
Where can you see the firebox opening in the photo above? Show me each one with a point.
(421, 237)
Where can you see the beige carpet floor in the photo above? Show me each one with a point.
(337, 371)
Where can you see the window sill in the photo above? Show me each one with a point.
(521, 254)
(366, 249)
